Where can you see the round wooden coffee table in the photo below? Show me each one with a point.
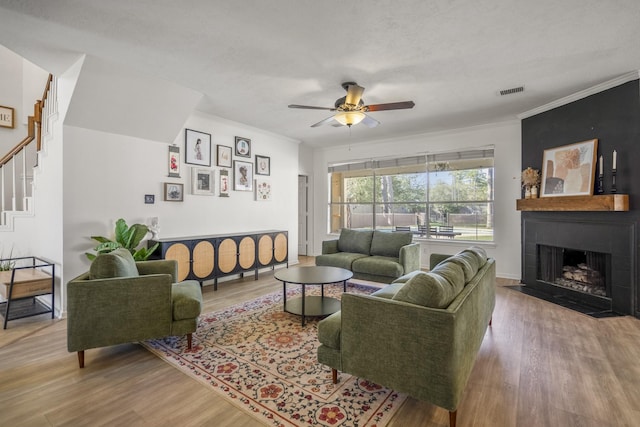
(312, 305)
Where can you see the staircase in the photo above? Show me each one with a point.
(19, 167)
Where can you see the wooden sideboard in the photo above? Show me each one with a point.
(210, 257)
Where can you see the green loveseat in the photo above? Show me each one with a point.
(378, 256)
(120, 301)
(421, 334)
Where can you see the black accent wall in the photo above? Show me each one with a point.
(613, 117)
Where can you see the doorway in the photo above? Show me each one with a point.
(303, 214)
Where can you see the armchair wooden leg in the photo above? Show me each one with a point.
(189, 339)
(81, 358)
(334, 376)
(452, 418)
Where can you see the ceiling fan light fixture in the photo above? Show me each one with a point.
(349, 118)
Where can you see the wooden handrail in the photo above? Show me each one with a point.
(35, 120)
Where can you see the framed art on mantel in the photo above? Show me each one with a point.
(197, 147)
(569, 170)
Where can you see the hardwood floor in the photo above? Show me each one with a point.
(539, 365)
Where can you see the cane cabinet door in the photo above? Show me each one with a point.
(280, 248)
(203, 259)
(265, 249)
(247, 252)
(180, 252)
(227, 255)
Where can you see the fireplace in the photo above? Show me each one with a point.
(581, 271)
(591, 262)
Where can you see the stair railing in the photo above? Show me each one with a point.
(43, 109)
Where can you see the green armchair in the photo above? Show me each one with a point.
(120, 301)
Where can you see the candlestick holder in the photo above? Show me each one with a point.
(600, 189)
(613, 181)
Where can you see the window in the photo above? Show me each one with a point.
(439, 196)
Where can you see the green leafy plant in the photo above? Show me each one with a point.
(7, 264)
(126, 237)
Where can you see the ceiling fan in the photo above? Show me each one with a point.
(350, 109)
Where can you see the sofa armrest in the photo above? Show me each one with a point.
(330, 247)
(410, 257)
(117, 310)
(163, 266)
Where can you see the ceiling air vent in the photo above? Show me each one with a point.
(511, 91)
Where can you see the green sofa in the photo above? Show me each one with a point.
(421, 334)
(120, 301)
(378, 256)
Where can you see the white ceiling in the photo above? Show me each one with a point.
(251, 58)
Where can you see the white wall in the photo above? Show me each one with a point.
(11, 96)
(107, 175)
(505, 137)
(21, 85)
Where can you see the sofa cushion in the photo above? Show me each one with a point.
(480, 254)
(341, 259)
(378, 266)
(428, 290)
(329, 330)
(452, 272)
(405, 277)
(389, 291)
(355, 241)
(469, 263)
(186, 299)
(118, 263)
(388, 244)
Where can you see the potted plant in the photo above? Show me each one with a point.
(530, 182)
(125, 237)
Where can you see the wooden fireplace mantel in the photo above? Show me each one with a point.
(605, 202)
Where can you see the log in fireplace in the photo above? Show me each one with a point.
(581, 271)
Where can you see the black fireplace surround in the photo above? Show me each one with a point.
(611, 116)
(564, 230)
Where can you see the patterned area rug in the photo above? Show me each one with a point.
(264, 361)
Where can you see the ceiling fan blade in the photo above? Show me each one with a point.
(354, 93)
(390, 106)
(370, 122)
(308, 107)
(325, 121)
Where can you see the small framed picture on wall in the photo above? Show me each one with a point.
(173, 192)
(263, 165)
(202, 181)
(224, 156)
(224, 183)
(6, 117)
(174, 161)
(197, 147)
(242, 176)
(243, 147)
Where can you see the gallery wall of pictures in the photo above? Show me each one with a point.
(236, 169)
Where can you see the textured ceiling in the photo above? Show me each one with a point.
(252, 58)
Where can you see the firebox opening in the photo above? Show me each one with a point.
(581, 271)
